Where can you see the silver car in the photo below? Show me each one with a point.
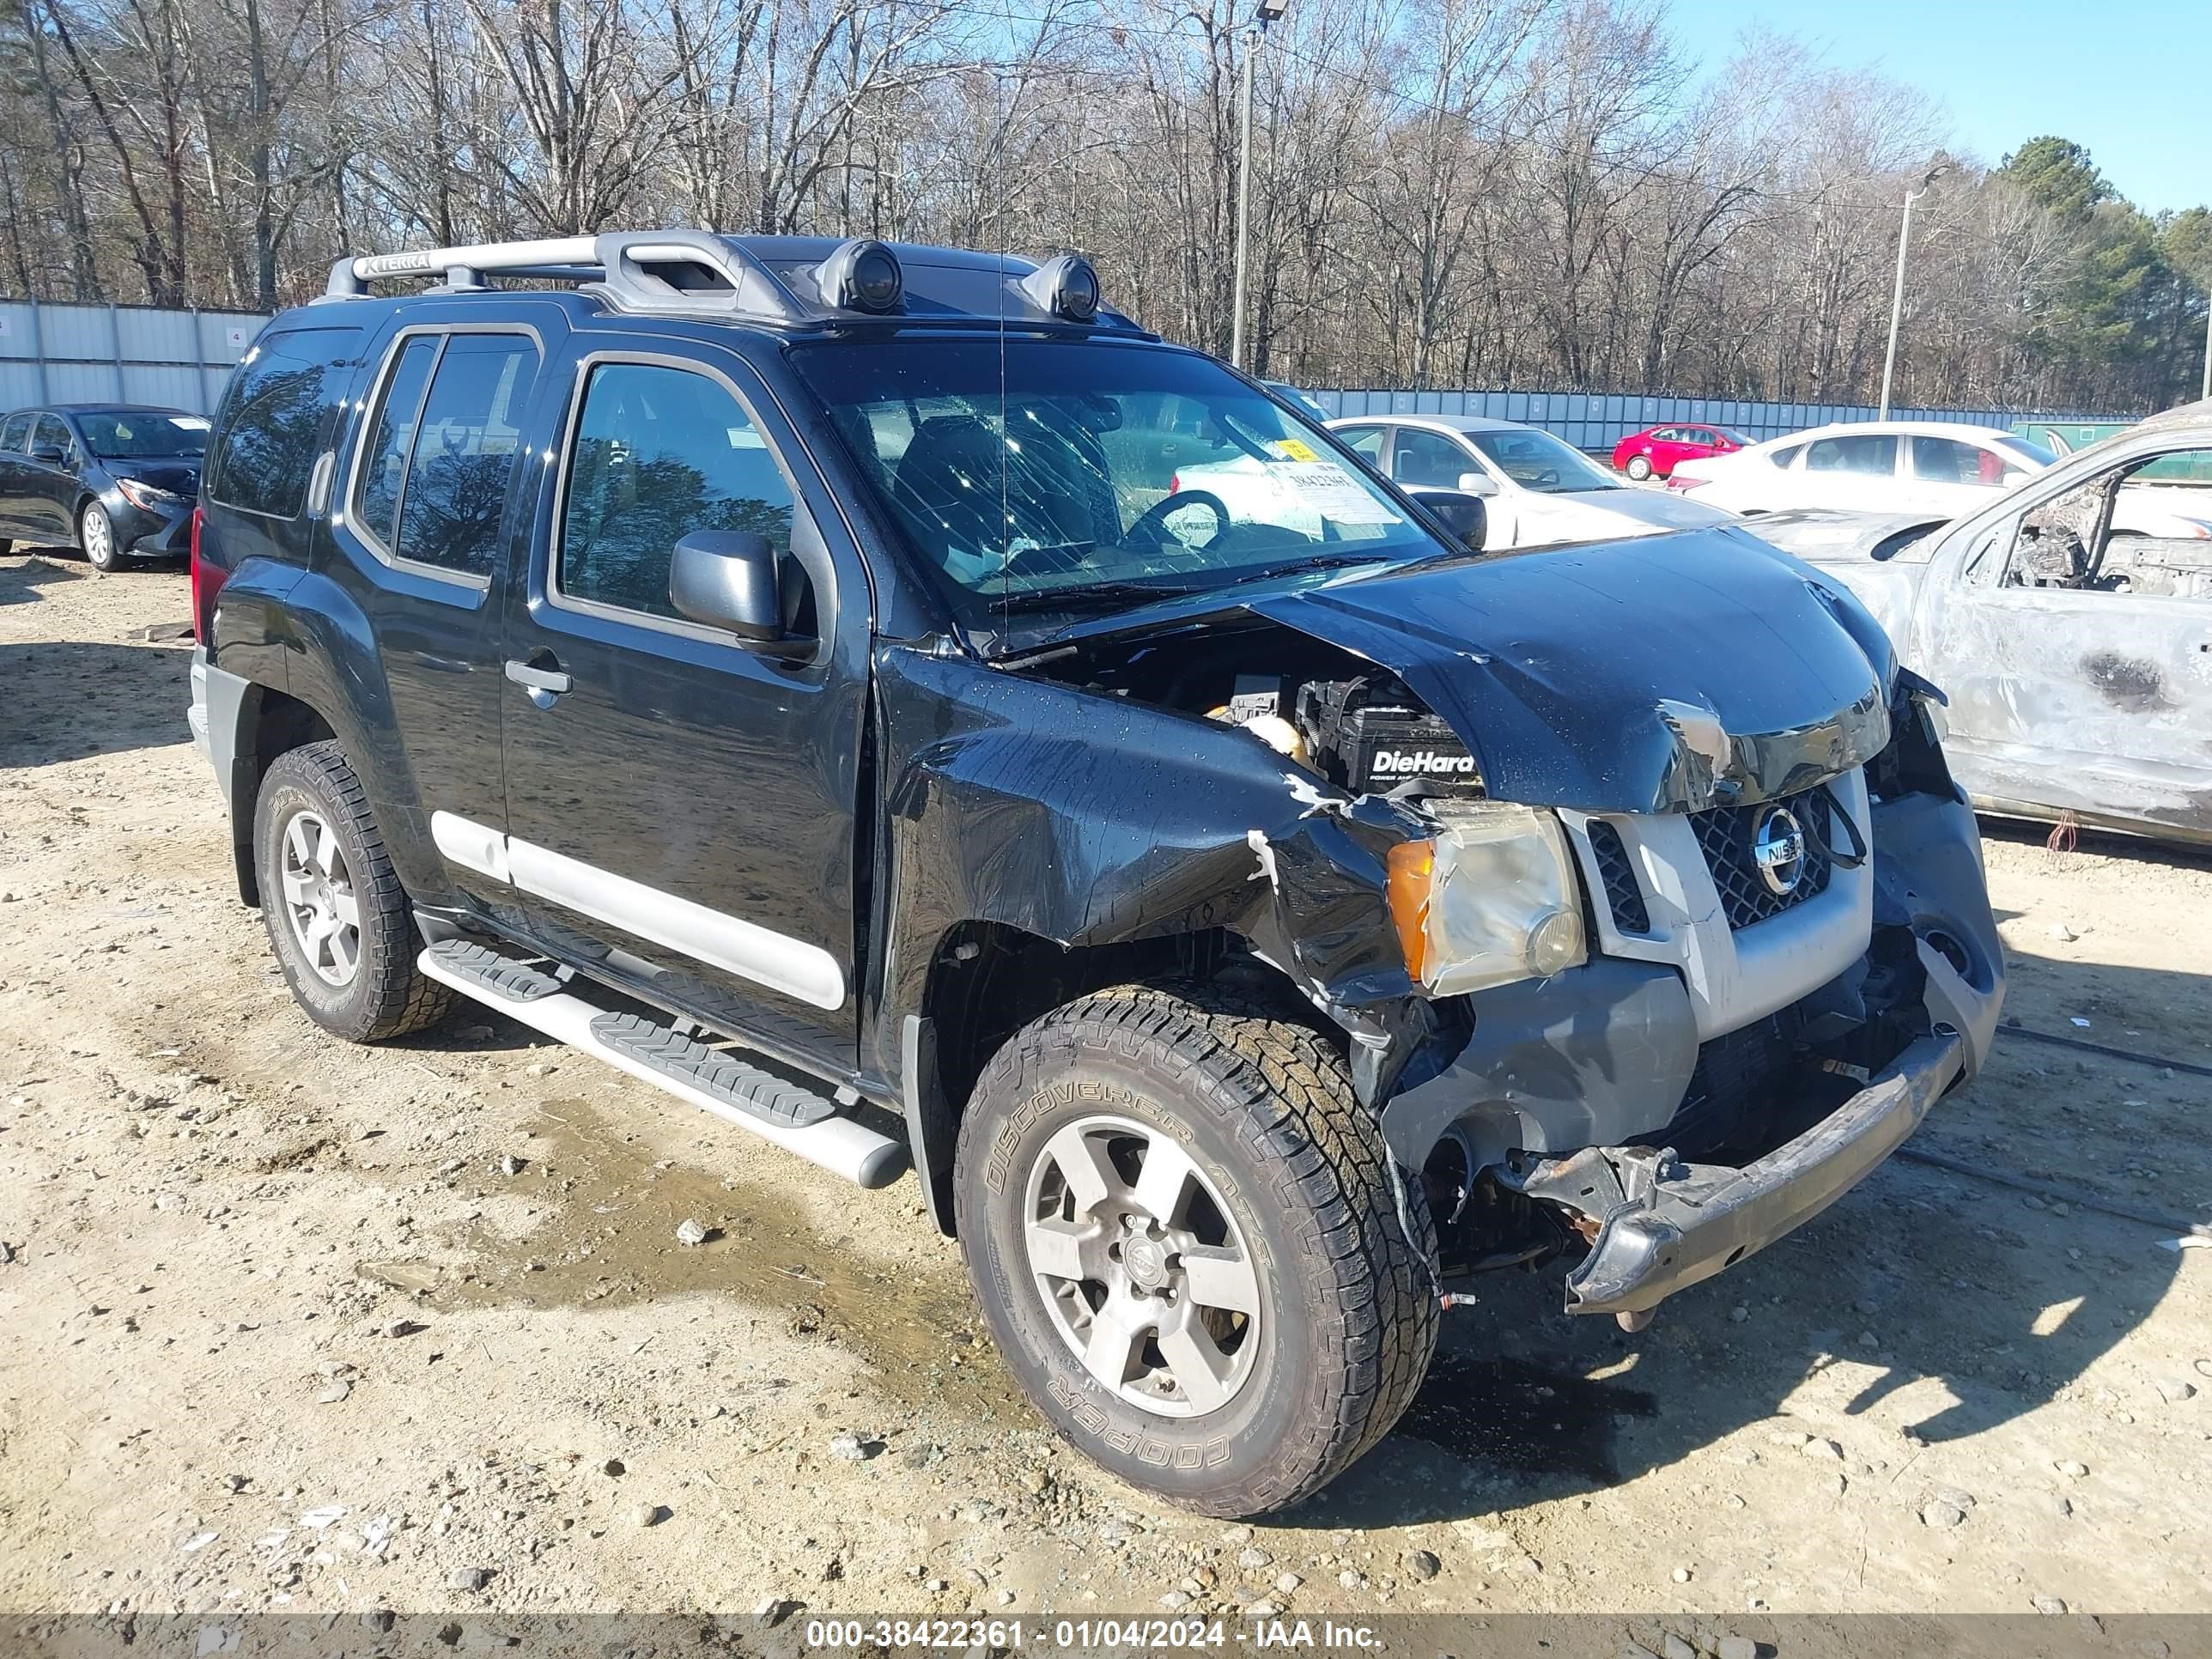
(2076, 648)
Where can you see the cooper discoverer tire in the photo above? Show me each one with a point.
(1282, 1195)
(337, 918)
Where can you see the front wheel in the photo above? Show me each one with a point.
(95, 535)
(1639, 467)
(1191, 1248)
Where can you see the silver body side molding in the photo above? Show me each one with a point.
(760, 954)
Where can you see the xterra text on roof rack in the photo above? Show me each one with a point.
(830, 681)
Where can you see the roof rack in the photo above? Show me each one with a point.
(684, 272)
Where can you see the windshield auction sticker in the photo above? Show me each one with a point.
(1325, 487)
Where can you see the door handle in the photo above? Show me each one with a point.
(543, 684)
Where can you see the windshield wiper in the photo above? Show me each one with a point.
(1091, 596)
(1297, 566)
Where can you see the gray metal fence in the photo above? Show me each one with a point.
(70, 354)
(1597, 421)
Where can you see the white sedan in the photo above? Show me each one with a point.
(1537, 488)
(1940, 469)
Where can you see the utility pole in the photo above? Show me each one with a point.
(1268, 11)
(1897, 296)
(2205, 391)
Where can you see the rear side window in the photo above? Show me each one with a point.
(1944, 460)
(1869, 454)
(13, 432)
(271, 423)
(384, 461)
(435, 468)
(659, 452)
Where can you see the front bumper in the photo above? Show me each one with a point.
(163, 533)
(1670, 1224)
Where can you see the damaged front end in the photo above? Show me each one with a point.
(1731, 1060)
(1632, 874)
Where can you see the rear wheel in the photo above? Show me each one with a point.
(95, 535)
(1188, 1242)
(337, 918)
(1639, 467)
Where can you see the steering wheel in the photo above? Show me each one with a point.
(1153, 523)
(1548, 478)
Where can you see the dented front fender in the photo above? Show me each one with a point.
(1092, 820)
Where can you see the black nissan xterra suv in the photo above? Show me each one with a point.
(885, 698)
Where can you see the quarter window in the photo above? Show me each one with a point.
(434, 474)
(658, 453)
(272, 420)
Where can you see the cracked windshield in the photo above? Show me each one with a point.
(1096, 477)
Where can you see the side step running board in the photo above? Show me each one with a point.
(791, 1115)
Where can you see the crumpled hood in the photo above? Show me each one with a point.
(179, 477)
(1672, 673)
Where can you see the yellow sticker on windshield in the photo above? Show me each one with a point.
(1291, 449)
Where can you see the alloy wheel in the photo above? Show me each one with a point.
(1143, 1271)
(320, 899)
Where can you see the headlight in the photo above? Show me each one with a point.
(1491, 900)
(145, 494)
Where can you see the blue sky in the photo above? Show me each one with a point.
(2127, 78)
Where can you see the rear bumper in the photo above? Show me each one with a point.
(1673, 1223)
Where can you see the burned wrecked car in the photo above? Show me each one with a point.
(861, 720)
(2068, 622)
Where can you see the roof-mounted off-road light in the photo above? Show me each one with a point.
(1066, 287)
(861, 276)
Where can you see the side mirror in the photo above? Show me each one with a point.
(1477, 484)
(50, 455)
(1460, 512)
(729, 578)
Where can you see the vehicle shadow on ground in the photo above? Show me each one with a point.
(69, 698)
(1935, 1303)
(24, 573)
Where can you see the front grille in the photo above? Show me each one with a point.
(1622, 895)
(1725, 833)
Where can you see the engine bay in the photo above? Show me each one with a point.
(1358, 726)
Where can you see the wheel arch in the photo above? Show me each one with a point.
(269, 724)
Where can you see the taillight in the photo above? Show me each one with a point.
(1174, 483)
(207, 582)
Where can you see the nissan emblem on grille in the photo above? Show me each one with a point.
(1777, 847)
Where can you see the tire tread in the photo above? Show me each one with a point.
(401, 998)
(1321, 1154)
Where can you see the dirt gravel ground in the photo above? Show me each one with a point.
(287, 1323)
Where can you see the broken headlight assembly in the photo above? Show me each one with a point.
(1489, 899)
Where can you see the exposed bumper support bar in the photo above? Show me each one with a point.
(1663, 1225)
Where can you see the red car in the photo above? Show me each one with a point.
(1655, 449)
